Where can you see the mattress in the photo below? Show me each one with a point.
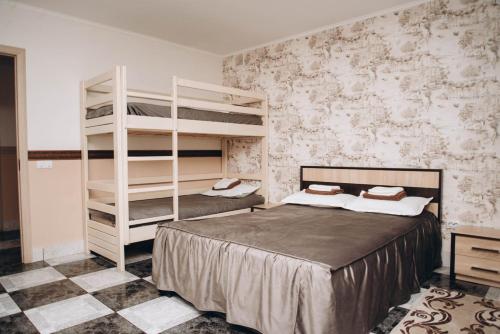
(152, 110)
(298, 269)
(190, 206)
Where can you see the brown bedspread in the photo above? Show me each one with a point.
(190, 206)
(298, 269)
(152, 110)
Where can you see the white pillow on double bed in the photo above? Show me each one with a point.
(408, 206)
(334, 201)
(322, 187)
(240, 191)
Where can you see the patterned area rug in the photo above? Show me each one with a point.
(441, 311)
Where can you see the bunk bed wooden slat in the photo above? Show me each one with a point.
(91, 204)
(101, 186)
(105, 125)
(150, 189)
(150, 220)
(142, 233)
(161, 179)
(95, 102)
(149, 123)
(103, 244)
(100, 89)
(104, 252)
(241, 100)
(222, 214)
(102, 227)
(222, 129)
(105, 77)
(219, 89)
(104, 240)
(221, 107)
(149, 96)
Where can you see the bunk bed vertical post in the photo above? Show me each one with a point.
(175, 144)
(264, 151)
(224, 149)
(120, 162)
(85, 159)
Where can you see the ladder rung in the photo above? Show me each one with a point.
(150, 189)
(153, 158)
(150, 220)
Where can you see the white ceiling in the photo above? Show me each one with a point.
(217, 26)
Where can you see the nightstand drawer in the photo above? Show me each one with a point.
(477, 267)
(479, 248)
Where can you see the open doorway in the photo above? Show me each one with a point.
(14, 223)
(10, 226)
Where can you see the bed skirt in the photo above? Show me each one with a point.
(276, 293)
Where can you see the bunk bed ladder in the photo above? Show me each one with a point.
(104, 239)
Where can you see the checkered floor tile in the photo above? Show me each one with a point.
(85, 294)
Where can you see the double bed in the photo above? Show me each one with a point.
(303, 269)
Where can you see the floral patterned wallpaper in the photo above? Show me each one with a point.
(414, 88)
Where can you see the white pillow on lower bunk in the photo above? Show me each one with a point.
(240, 191)
(224, 184)
(332, 201)
(408, 206)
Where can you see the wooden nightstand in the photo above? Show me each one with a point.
(264, 206)
(475, 255)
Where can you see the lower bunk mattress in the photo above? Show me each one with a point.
(190, 206)
(298, 269)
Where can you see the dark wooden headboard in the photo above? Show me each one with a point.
(417, 182)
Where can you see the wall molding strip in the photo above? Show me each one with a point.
(108, 154)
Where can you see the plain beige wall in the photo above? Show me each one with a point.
(56, 207)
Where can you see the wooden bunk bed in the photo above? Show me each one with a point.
(105, 110)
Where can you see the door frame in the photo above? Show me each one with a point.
(19, 56)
